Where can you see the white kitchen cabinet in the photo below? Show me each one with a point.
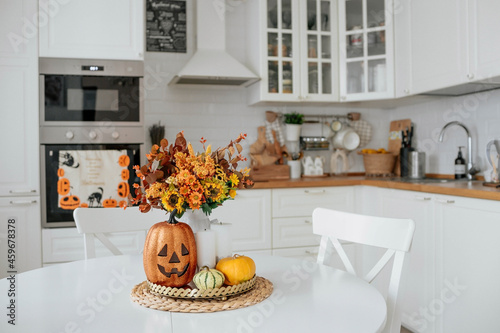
(92, 29)
(66, 244)
(468, 265)
(419, 270)
(292, 218)
(300, 202)
(294, 50)
(366, 49)
(454, 43)
(484, 50)
(20, 235)
(250, 216)
(19, 170)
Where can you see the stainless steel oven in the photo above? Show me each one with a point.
(91, 134)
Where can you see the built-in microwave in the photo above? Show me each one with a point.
(87, 92)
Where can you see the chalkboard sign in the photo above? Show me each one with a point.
(166, 26)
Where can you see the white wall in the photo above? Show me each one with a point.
(220, 114)
(480, 113)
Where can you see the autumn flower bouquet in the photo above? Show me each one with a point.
(176, 177)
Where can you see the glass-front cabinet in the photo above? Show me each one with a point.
(296, 54)
(366, 55)
(319, 58)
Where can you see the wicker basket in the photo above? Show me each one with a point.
(379, 164)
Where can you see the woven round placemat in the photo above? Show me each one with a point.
(143, 296)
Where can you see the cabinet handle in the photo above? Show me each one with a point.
(343, 98)
(470, 76)
(22, 202)
(406, 91)
(311, 252)
(307, 222)
(22, 191)
(314, 191)
(445, 201)
(417, 197)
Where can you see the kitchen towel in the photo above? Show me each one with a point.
(364, 130)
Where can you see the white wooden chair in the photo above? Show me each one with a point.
(97, 222)
(395, 235)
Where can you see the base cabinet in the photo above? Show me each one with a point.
(66, 244)
(449, 280)
(20, 239)
(250, 216)
(468, 266)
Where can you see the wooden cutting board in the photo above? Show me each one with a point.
(395, 140)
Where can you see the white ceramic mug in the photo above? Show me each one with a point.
(346, 138)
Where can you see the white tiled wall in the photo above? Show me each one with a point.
(479, 112)
(220, 114)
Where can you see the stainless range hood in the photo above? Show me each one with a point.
(211, 64)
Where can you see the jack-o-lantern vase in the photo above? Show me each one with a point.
(169, 255)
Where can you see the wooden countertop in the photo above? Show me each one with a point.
(470, 189)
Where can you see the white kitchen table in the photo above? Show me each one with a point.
(93, 296)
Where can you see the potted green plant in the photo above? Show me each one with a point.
(293, 124)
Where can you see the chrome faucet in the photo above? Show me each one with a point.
(471, 169)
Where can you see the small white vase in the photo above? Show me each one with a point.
(196, 219)
(293, 132)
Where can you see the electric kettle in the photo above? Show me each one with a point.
(495, 161)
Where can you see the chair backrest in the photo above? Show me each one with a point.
(395, 235)
(97, 222)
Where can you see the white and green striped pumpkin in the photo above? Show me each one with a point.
(208, 278)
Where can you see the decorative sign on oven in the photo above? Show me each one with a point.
(92, 178)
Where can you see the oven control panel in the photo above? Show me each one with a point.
(81, 135)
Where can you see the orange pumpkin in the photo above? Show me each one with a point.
(122, 204)
(123, 161)
(169, 255)
(125, 174)
(84, 205)
(236, 269)
(123, 189)
(70, 202)
(109, 203)
(60, 172)
(63, 186)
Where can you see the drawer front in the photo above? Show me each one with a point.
(294, 231)
(311, 252)
(306, 252)
(66, 244)
(302, 202)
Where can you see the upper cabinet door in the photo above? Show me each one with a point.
(366, 49)
(318, 50)
(296, 53)
(438, 44)
(93, 29)
(484, 50)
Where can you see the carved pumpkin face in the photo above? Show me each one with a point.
(125, 174)
(123, 161)
(60, 172)
(70, 202)
(109, 203)
(123, 189)
(63, 186)
(170, 254)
